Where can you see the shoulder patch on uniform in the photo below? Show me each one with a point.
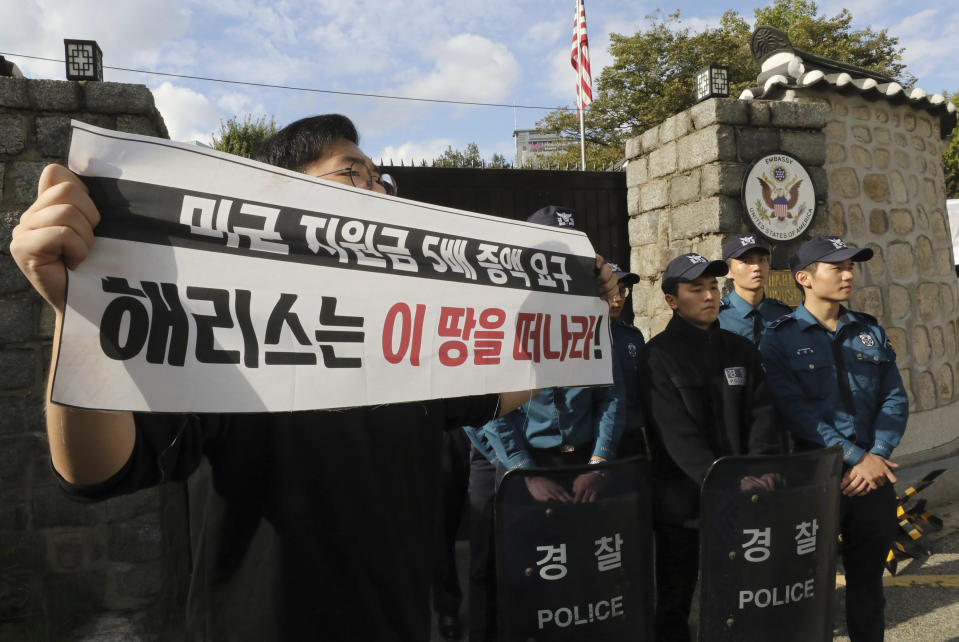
(780, 321)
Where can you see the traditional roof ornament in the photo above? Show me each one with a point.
(785, 69)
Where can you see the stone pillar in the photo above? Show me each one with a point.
(106, 570)
(684, 182)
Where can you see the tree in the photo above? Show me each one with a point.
(950, 160)
(243, 138)
(469, 157)
(653, 71)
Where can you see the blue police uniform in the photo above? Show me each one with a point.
(628, 342)
(839, 387)
(843, 388)
(559, 420)
(736, 315)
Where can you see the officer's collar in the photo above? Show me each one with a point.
(741, 305)
(805, 319)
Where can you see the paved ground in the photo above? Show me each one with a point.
(922, 599)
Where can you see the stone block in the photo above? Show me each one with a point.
(941, 235)
(55, 95)
(901, 221)
(928, 300)
(142, 125)
(654, 195)
(68, 550)
(13, 92)
(909, 122)
(23, 551)
(900, 260)
(869, 300)
(926, 390)
(53, 135)
(18, 320)
(722, 178)
(650, 139)
(861, 134)
(881, 158)
(897, 337)
(878, 222)
(899, 303)
(855, 221)
(26, 175)
(715, 143)
(637, 171)
(16, 453)
(759, 112)
(138, 540)
(633, 201)
(808, 146)
(675, 127)
(901, 158)
(725, 111)
(844, 183)
(13, 515)
(944, 264)
(684, 188)
(794, 115)
(835, 131)
(3, 169)
(897, 188)
(118, 98)
(141, 581)
(11, 417)
(11, 134)
(662, 160)
(8, 221)
(644, 229)
(634, 147)
(11, 278)
(881, 135)
(835, 153)
(860, 112)
(947, 295)
(919, 342)
(906, 375)
(861, 157)
(47, 322)
(18, 368)
(756, 142)
(876, 187)
(877, 265)
(925, 259)
(944, 387)
(949, 339)
(938, 347)
(714, 215)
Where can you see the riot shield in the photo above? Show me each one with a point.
(768, 547)
(576, 571)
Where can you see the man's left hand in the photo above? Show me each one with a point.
(586, 487)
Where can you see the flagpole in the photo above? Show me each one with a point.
(580, 107)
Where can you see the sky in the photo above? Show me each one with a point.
(491, 51)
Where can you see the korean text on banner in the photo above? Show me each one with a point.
(219, 284)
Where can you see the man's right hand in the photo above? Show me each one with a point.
(870, 473)
(55, 233)
(544, 489)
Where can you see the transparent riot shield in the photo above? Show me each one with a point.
(576, 571)
(768, 547)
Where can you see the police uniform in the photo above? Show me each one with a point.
(628, 342)
(843, 388)
(736, 315)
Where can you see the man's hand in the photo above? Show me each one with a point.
(543, 490)
(870, 473)
(766, 482)
(586, 487)
(606, 281)
(55, 233)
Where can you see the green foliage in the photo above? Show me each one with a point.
(950, 159)
(469, 157)
(243, 138)
(652, 76)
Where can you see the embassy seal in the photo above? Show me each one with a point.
(778, 197)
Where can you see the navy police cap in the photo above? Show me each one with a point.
(740, 244)
(689, 267)
(553, 215)
(829, 249)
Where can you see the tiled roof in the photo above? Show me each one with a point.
(785, 69)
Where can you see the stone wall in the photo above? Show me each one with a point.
(684, 180)
(887, 192)
(67, 570)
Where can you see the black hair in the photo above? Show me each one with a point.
(811, 268)
(671, 287)
(302, 142)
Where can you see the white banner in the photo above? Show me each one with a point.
(219, 284)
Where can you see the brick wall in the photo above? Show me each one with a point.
(69, 571)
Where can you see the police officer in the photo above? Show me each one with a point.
(705, 397)
(627, 343)
(747, 311)
(834, 380)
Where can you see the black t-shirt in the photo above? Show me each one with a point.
(318, 525)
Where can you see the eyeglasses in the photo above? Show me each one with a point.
(360, 176)
(624, 290)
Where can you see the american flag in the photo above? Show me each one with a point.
(580, 58)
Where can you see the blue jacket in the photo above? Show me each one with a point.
(736, 315)
(477, 437)
(628, 342)
(836, 388)
(555, 417)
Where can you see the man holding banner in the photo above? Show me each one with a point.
(320, 523)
